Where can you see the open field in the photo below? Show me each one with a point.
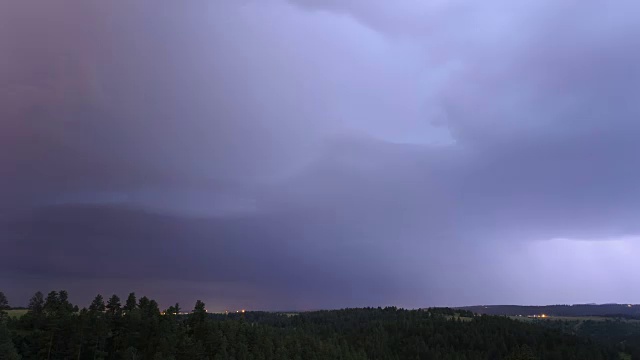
(16, 313)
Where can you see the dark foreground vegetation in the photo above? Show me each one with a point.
(620, 333)
(53, 328)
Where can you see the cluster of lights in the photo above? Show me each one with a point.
(237, 311)
(540, 316)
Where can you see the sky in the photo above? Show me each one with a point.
(307, 154)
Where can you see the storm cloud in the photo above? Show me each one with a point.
(305, 154)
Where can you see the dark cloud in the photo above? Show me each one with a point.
(122, 244)
(309, 154)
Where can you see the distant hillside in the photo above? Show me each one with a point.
(625, 310)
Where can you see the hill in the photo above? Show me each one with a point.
(623, 310)
(54, 328)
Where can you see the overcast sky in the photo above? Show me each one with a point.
(310, 154)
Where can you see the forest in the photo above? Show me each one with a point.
(136, 328)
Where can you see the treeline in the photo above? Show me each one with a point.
(53, 328)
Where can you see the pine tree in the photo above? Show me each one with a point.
(97, 305)
(131, 303)
(98, 326)
(199, 312)
(113, 305)
(143, 304)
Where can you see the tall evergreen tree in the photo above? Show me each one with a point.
(143, 304)
(98, 328)
(113, 305)
(199, 311)
(97, 305)
(131, 303)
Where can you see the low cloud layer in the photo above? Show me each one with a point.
(304, 154)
